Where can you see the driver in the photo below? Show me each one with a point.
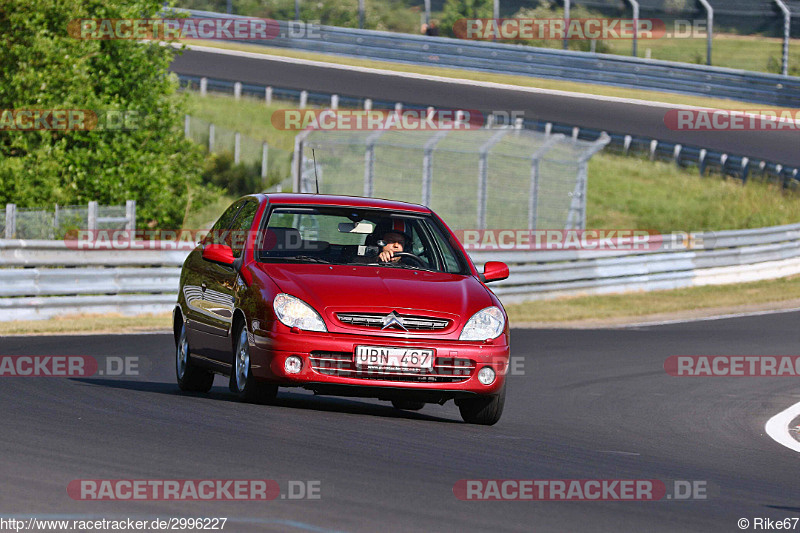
(393, 243)
(394, 237)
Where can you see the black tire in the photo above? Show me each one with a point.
(485, 411)
(191, 378)
(408, 405)
(242, 382)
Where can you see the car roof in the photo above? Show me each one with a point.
(344, 201)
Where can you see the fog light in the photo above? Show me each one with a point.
(486, 376)
(293, 364)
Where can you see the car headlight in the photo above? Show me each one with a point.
(295, 313)
(487, 323)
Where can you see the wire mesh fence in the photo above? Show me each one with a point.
(270, 163)
(485, 179)
(60, 221)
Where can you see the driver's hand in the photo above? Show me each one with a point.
(386, 256)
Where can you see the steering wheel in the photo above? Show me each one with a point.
(416, 258)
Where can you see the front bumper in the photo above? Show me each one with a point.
(328, 365)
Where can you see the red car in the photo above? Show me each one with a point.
(344, 296)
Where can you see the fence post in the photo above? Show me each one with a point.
(268, 95)
(427, 165)
(303, 99)
(11, 221)
(237, 147)
(186, 125)
(203, 86)
(483, 175)
(710, 22)
(264, 162)
(635, 5)
(297, 160)
(787, 30)
(368, 104)
(369, 162)
(130, 214)
(533, 194)
(92, 216)
(361, 14)
(566, 22)
(55, 220)
(334, 101)
(237, 90)
(210, 138)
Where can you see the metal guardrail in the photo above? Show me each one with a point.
(735, 165)
(146, 281)
(629, 72)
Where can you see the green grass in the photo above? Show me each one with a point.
(522, 81)
(88, 324)
(248, 116)
(759, 54)
(629, 192)
(637, 306)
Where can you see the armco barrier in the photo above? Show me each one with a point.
(34, 284)
(621, 71)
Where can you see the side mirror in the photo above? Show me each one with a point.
(494, 271)
(218, 253)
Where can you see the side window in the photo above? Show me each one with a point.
(217, 233)
(237, 237)
(451, 263)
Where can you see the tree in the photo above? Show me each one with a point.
(44, 68)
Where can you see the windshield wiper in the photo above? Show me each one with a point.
(308, 258)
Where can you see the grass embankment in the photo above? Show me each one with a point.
(88, 324)
(661, 305)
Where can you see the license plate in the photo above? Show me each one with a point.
(399, 359)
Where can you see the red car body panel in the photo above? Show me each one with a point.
(332, 289)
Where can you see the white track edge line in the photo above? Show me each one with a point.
(777, 427)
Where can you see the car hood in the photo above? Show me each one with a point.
(330, 288)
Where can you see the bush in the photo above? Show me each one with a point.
(549, 10)
(44, 68)
(236, 179)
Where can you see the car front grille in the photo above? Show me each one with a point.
(376, 320)
(445, 369)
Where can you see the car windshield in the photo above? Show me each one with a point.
(347, 236)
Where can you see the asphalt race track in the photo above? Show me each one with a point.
(620, 117)
(590, 404)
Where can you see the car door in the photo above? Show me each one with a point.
(198, 272)
(218, 296)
